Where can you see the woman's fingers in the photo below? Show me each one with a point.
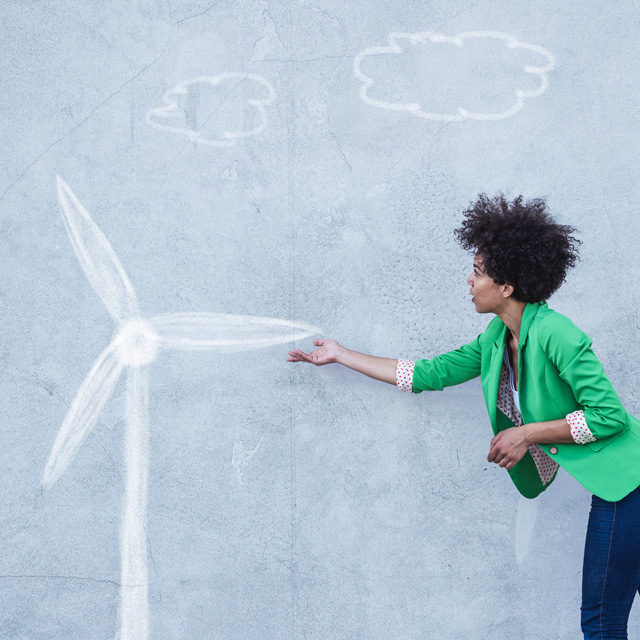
(507, 448)
(300, 356)
(500, 460)
(320, 356)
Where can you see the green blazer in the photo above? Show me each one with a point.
(558, 373)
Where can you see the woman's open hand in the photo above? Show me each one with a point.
(326, 354)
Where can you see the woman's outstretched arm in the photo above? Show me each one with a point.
(330, 351)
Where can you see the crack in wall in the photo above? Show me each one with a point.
(305, 59)
(344, 157)
(197, 15)
(57, 577)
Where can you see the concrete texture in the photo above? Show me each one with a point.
(364, 513)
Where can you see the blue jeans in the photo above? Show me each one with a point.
(611, 570)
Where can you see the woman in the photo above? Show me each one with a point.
(550, 403)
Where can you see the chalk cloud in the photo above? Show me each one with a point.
(398, 43)
(219, 129)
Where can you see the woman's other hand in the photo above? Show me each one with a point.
(508, 447)
(327, 353)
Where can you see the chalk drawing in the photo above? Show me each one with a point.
(241, 456)
(230, 173)
(136, 344)
(394, 47)
(170, 116)
(525, 522)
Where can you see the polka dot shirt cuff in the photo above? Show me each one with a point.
(580, 432)
(404, 375)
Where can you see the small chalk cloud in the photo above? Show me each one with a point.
(215, 110)
(476, 75)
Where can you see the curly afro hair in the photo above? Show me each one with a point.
(520, 244)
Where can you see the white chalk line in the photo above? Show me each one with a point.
(461, 113)
(83, 414)
(224, 333)
(96, 257)
(240, 457)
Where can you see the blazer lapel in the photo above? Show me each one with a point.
(492, 379)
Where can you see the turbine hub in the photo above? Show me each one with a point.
(136, 343)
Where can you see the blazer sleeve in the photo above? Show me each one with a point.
(448, 369)
(569, 349)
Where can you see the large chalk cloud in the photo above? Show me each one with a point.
(373, 91)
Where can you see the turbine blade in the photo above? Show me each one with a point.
(221, 332)
(96, 256)
(83, 414)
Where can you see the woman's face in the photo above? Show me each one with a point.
(488, 297)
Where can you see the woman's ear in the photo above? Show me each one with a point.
(507, 290)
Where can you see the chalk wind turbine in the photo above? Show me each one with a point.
(136, 344)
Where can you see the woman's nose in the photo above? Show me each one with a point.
(470, 281)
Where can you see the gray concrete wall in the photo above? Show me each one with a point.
(365, 513)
